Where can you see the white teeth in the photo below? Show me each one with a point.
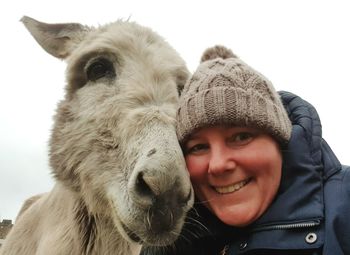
(231, 188)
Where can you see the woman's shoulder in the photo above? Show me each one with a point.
(337, 188)
(337, 208)
(340, 177)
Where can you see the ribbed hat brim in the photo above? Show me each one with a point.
(232, 106)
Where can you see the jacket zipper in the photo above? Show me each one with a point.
(306, 224)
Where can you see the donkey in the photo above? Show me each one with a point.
(121, 179)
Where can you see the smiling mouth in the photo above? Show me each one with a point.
(233, 187)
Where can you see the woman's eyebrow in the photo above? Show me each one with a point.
(193, 137)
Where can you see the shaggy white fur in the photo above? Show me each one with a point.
(121, 179)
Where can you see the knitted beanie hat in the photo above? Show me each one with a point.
(226, 91)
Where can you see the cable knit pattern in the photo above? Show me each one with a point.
(226, 91)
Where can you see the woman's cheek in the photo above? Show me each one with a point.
(196, 166)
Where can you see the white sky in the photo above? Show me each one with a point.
(302, 46)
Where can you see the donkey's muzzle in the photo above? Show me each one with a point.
(151, 188)
(163, 196)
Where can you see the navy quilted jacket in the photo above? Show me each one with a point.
(310, 215)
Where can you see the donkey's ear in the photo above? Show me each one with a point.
(57, 39)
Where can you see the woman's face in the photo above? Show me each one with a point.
(235, 171)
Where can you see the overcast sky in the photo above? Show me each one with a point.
(301, 46)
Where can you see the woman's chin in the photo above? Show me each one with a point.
(235, 217)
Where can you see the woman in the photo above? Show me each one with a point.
(265, 180)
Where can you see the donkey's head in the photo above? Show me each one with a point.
(114, 142)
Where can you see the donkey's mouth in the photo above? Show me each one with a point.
(132, 235)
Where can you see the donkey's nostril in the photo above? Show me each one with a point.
(141, 186)
(147, 185)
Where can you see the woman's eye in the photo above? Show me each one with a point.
(241, 138)
(100, 68)
(196, 149)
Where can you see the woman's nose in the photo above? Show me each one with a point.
(221, 160)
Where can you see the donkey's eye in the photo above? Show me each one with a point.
(100, 68)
